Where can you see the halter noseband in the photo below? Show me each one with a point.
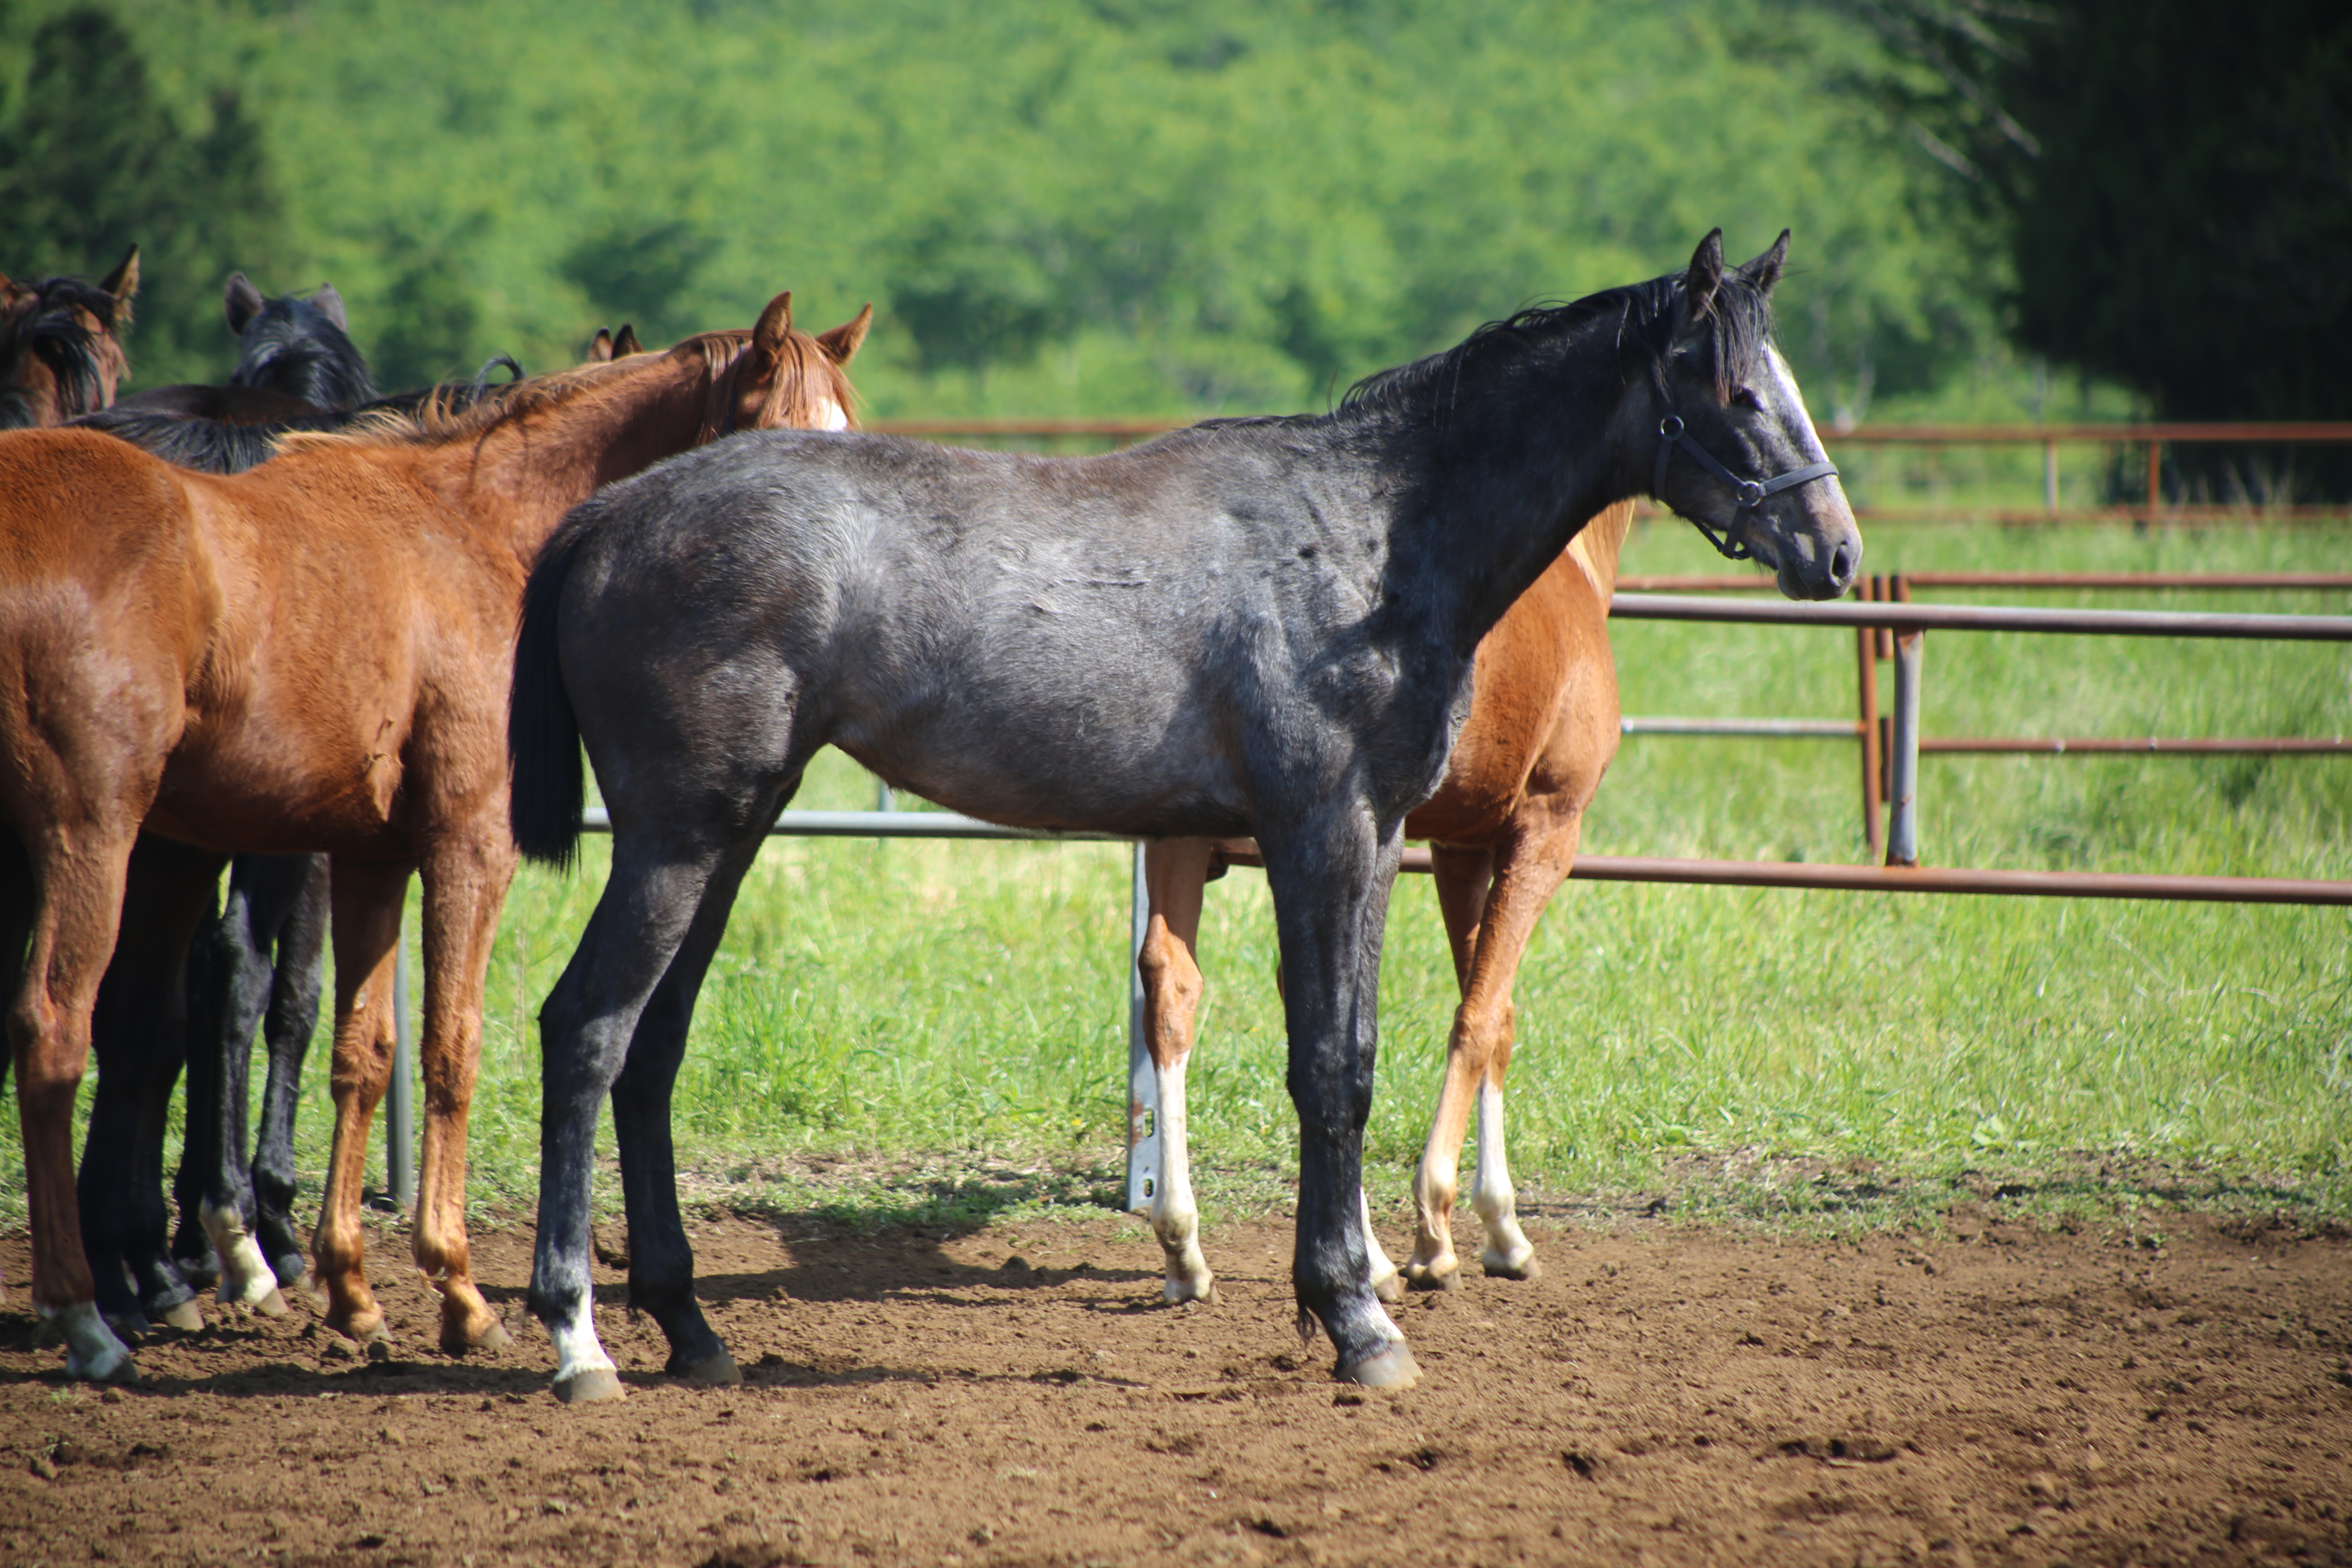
(1731, 545)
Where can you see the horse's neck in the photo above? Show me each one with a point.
(525, 472)
(1499, 500)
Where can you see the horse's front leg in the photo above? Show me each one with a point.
(1537, 852)
(367, 897)
(466, 878)
(138, 1028)
(263, 891)
(1330, 876)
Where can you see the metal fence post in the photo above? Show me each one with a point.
(1142, 1085)
(1902, 791)
(400, 1099)
(1865, 660)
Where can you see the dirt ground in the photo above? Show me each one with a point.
(1017, 1395)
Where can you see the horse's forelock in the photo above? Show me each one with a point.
(805, 381)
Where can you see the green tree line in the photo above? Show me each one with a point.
(1095, 206)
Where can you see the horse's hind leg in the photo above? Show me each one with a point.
(656, 894)
(1175, 871)
(19, 898)
(138, 1027)
(661, 1261)
(286, 1030)
(1539, 849)
(71, 938)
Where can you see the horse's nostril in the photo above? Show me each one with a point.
(1842, 564)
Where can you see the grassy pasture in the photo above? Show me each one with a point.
(940, 1027)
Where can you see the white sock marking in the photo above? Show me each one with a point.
(577, 1349)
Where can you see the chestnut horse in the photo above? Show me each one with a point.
(61, 345)
(311, 657)
(1503, 830)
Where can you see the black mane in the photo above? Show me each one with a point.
(218, 447)
(51, 328)
(293, 346)
(1740, 322)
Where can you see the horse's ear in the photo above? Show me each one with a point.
(842, 343)
(625, 342)
(1705, 276)
(122, 283)
(775, 326)
(242, 300)
(327, 300)
(1765, 270)
(600, 347)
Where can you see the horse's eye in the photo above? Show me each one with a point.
(1745, 397)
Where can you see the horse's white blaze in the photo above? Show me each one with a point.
(1384, 1270)
(246, 1278)
(1790, 404)
(830, 415)
(1507, 1246)
(1175, 1220)
(577, 1349)
(91, 1349)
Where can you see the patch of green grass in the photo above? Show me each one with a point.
(936, 1032)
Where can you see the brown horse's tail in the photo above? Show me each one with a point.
(543, 730)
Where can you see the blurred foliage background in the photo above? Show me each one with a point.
(1103, 207)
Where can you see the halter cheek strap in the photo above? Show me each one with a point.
(1751, 493)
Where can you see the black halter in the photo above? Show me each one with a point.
(1731, 545)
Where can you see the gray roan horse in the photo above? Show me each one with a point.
(1259, 626)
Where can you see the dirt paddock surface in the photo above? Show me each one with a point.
(1017, 1395)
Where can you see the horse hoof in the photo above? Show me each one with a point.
(1499, 1268)
(273, 1304)
(1424, 1279)
(456, 1341)
(1390, 1290)
(590, 1387)
(129, 1326)
(187, 1317)
(1391, 1367)
(290, 1270)
(717, 1371)
(1184, 1292)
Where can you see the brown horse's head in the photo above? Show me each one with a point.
(61, 346)
(781, 378)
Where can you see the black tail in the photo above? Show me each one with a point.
(542, 732)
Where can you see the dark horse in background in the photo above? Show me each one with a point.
(294, 358)
(61, 345)
(1260, 626)
(260, 959)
